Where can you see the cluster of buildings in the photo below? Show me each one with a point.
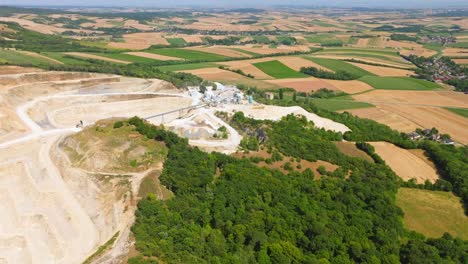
(439, 39)
(430, 134)
(442, 70)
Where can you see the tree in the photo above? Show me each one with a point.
(280, 94)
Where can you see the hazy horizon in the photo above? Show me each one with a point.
(245, 3)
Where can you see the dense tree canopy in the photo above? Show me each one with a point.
(229, 210)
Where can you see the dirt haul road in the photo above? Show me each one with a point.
(51, 212)
(54, 211)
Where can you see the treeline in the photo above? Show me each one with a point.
(238, 71)
(362, 130)
(228, 210)
(179, 79)
(427, 71)
(370, 150)
(319, 73)
(408, 29)
(452, 163)
(400, 37)
(23, 39)
(374, 64)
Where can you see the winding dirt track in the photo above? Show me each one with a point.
(45, 219)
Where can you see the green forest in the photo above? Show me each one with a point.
(228, 210)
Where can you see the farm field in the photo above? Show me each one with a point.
(350, 149)
(336, 65)
(383, 71)
(96, 57)
(339, 104)
(127, 57)
(152, 56)
(459, 111)
(406, 118)
(404, 163)
(416, 98)
(84, 173)
(184, 67)
(278, 70)
(187, 54)
(433, 213)
(20, 58)
(399, 83)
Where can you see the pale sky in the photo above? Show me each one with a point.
(246, 3)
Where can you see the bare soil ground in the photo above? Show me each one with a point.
(247, 68)
(221, 51)
(362, 42)
(96, 57)
(6, 70)
(215, 74)
(404, 163)
(45, 29)
(139, 41)
(422, 98)
(407, 118)
(350, 149)
(420, 154)
(61, 207)
(136, 24)
(455, 52)
(418, 52)
(366, 59)
(461, 61)
(383, 71)
(350, 87)
(153, 56)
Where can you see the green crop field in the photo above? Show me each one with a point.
(19, 58)
(339, 105)
(126, 57)
(398, 83)
(463, 45)
(432, 213)
(278, 70)
(261, 39)
(176, 41)
(459, 111)
(336, 65)
(65, 59)
(186, 67)
(387, 52)
(191, 55)
(319, 38)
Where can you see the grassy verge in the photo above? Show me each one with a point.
(186, 67)
(339, 104)
(176, 41)
(432, 213)
(101, 249)
(459, 111)
(19, 58)
(398, 83)
(278, 70)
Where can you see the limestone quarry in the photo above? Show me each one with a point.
(67, 184)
